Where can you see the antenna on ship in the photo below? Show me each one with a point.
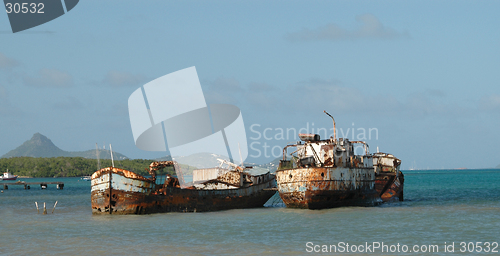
(97, 156)
(334, 134)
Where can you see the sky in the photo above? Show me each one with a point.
(421, 76)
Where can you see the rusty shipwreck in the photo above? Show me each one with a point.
(327, 173)
(118, 191)
(389, 180)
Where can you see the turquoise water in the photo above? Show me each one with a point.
(442, 206)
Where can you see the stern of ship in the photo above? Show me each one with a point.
(389, 180)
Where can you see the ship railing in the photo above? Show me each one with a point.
(366, 147)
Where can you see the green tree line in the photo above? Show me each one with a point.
(38, 167)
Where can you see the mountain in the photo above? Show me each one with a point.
(103, 154)
(41, 146)
(38, 146)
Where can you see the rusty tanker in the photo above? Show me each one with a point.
(118, 191)
(326, 174)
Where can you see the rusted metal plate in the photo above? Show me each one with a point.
(214, 185)
(390, 186)
(309, 137)
(327, 187)
(235, 178)
(207, 174)
(226, 179)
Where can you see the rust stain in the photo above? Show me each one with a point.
(389, 181)
(135, 194)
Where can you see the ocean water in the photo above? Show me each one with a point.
(441, 207)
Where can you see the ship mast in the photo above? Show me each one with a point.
(334, 134)
(111, 151)
(97, 156)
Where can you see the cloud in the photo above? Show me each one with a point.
(223, 90)
(490, 103)
(332, 95)
(327, 93)
(303, 95)
(369, 27)
(262, 96)
(6, 62)
(424, 104)
(68, 103)
(121, 79)
(299, 96)
(262, 87)
(50, 78)
(435, 93)
(229, 91)
(226, 84)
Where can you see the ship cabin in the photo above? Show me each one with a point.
(385, 163)
(311, 151)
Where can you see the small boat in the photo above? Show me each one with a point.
(86, 178)
(8, 176)
(118, 191)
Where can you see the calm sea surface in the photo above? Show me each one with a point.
(441, 207)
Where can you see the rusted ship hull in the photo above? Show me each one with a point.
(389, 180)
(116, 191)
(327, 187)
(390, 186)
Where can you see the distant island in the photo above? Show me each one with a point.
(39, 157)
(41, 167)
(41, 146)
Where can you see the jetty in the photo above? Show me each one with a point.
(27, 185)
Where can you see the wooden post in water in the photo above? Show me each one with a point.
(54, 207)
(37, 211)
(44, 209)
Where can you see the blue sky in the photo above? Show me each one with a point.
(424, 74)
